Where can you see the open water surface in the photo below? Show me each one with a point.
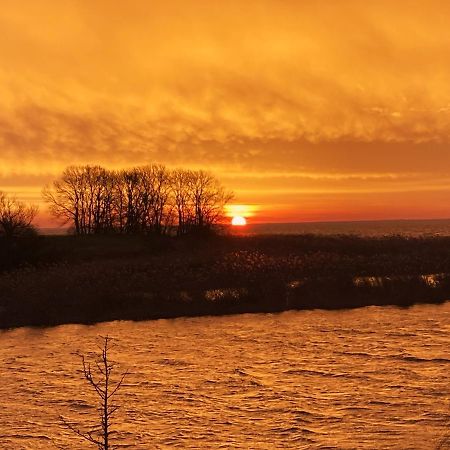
(370, 378)
(435, 227)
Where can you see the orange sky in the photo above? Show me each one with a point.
(308, 110)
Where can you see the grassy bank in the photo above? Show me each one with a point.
(65, 279)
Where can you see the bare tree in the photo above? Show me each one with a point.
(65, 198)
(147, 199)
(83, 196)
(199, 200)
(100, 183)
(16, 217)
(142, 200)
(208, 199)
(101, 382)
(159, 209)
(130, 193)
(181, 181)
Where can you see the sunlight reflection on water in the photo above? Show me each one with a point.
(366, 378)
(438, 227)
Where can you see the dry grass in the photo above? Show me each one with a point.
(55, 280)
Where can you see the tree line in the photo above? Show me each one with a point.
(149, 199)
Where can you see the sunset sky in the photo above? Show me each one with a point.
(307, 110)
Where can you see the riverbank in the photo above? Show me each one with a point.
(54, 280)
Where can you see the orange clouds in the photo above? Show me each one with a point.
(257, 87)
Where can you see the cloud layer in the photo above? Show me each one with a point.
(301, 107)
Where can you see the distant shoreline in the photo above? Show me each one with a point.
(58, 280)
(414, 227)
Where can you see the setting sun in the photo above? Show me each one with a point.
(238, 221)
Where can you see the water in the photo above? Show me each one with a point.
(434, 227)
(365, 228)
(366, 378)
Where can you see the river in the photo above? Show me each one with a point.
(369, 378)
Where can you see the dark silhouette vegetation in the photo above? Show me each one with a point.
(146, 245)
(17, 233)
(99, 376)
(142, 200)
(16, 218)
(72, 279)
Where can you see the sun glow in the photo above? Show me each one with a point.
(238, 221)
(234, 210)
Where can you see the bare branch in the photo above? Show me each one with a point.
(99, 434)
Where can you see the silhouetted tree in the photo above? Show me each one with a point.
(199, 200)
(16, 217)
(130, 189)
(160, 217)
(83, 196)
(181, 182)
(100, 184)
(149, 199)
(208, 200)
(143, 199)
(100, 381)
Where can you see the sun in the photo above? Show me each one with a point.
(238, 221)
(238, 214)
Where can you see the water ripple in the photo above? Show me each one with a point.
(368, 378)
